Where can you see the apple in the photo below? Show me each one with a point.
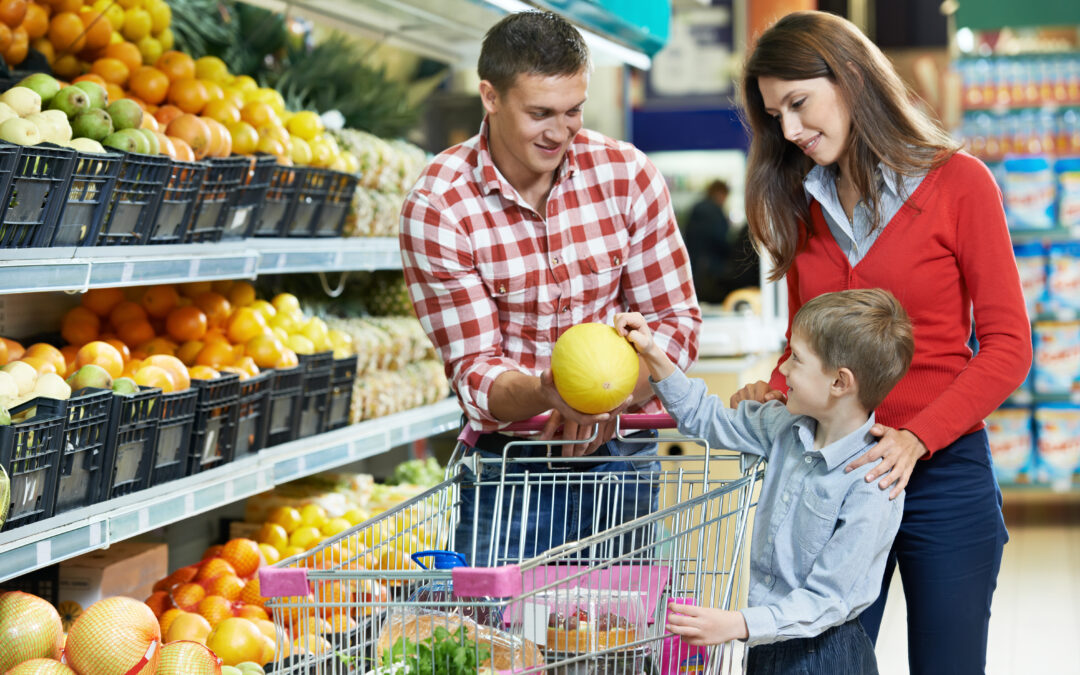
(115, 635)
(30, 628)
(188, 658)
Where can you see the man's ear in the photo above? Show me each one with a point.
(489, 96)
(844, 383)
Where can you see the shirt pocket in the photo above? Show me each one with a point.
(601, 274)
(814, 522)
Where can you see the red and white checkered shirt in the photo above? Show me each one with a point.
(494, 283)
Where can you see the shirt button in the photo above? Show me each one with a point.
(768, 579)
(555, 260)
(785, 497)
(566, 309)
(809, 459)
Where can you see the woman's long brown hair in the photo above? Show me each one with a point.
(887, 127)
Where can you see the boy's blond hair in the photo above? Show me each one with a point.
(865, 330)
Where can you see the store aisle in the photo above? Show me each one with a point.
(1036, 612)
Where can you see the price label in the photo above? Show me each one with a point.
(95, 533)
(229, 490)
(189, 503)
(127, 272)
(301, 463)
(144, 520)
(43, 551)
(339, 258)
(193, 268)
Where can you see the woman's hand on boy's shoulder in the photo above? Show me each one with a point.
(759, 391)
(898, 450)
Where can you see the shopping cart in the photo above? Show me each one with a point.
(363, 602)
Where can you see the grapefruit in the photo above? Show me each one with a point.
(129, 629)
(188, 658)
(30, 628)
(41, 667)
(594, 368)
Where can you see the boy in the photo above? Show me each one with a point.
(821, 534)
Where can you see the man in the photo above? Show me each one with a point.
(530, 227)
(707, 238)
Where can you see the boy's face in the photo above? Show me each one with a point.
(533, 122)
(808, 382)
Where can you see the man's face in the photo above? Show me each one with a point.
(533, 122)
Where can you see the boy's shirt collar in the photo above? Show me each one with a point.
(838, 452)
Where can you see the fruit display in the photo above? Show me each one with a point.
(388, 170)
(594, 368)
(30, 628)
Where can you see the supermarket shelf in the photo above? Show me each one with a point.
(98, 526)
(1051, 235)
(77, 269)
(1040, 493)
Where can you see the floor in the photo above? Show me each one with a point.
(1035, 624)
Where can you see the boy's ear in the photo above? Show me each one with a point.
(844, 383)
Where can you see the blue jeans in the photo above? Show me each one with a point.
(542, 509)
(949, 552)
(841, 650)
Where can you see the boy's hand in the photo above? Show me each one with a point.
(759, 391)
(632, 326)
(702, 626)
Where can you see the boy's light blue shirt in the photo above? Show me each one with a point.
(821, 536)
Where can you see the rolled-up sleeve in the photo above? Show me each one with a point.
(452, 303)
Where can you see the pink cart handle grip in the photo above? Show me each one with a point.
(659, 421)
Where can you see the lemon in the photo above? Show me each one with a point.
(355, 515)
(306, 124)
(137, 24)
(313, 515)
(211, 68)
(287, 517)
(305, 536)
(334, 527)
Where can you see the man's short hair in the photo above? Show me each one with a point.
(716, 187)
(535, 43)
(865, 330)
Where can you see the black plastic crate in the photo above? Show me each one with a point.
(286, 398)
(239, 216)
(342, 376)
(177, 205)
(93, 179)
(133, 428)
(280, 198)
(331, 219)
(84, 447)
(176, 420)
(314, 186)
(223, 177)
(30, 453)
(43, 582)
(135, 197)
(316, 395)
(213, 440)
(252, 413)
(35, 196)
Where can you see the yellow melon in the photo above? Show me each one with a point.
(594, 368)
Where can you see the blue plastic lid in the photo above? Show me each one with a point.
(443, 560)
(1067, 164)
(1029, 249)
(1027, 164)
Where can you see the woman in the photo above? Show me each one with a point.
(850, 185)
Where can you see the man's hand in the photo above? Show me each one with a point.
(577, 426)
(758, 391)
(898, 451)
(704, 625)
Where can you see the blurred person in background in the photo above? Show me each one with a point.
(707, 242)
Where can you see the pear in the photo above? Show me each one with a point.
(86, 145)
(53, 126)
(24, 374)
(125, 114)
(6, 112)
(20, 131)
(51, 385)
(152, 140)
(127, 140)
(90, 375)
(5, 419)
(23, 100)
(44, 84)
(71, 100)
(94, 123)
(99, 98)
(124, 385)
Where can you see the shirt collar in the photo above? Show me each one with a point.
(489, 176)
(837, 452)
(821, 180)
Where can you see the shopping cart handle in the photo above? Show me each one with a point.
(655, 421)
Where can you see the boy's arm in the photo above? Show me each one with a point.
(845, 577)
(749, 429)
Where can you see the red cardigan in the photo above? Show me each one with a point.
(946, 256)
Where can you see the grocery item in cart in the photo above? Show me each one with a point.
(589, 620)
(508, 652)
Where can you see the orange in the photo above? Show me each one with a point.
(236, 640)
(213, 566)
(189, 350)
(126, 310)
(164, 142)
(243, 555)
(183, 151)
(215, 609)
(14, 349)
(98, 30)
(216, 355)
(213, 552)
(247, 365)
(66, 66)
(220, 140)
(101, 301)
(288, 359)
(126, 52)
(167, 113)
(80, 326)
(259, 114)
(69, 352)
(125, 353)
(19, 47)
(6, 36)
(241, 293)
(40, 364)
(252, 612)
(188, 94)
(180, 576)
(135, 332)
(148, 121)
(239, 372)
(149, 84)
(227, 586)
(186, 323)
(91, 77)
(222, 110)
(102, 354)
(176, 65)
(244, 324)
(203, 373)
(159, 300)
(264, 349)
(188, 626)
(12, 12)
(187, 596)
(167, 618)
(194, 289)
(111, 70)
(36, 21)
(158, 345)
(66, 33)
(193, 131)
(154, 376)
(159, 602)
(42, 350)
(174, 366)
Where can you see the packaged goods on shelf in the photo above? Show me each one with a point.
(1029, 192)
(1031, 263)
(1068, 188)
(1057, 432)
(384, 392)
(125, 568)
(1057, 357)
(1063, 277)
(1012, 442)
(385, 343)
(388, 169)
(336, 493)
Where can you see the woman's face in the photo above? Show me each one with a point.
(812, 115)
